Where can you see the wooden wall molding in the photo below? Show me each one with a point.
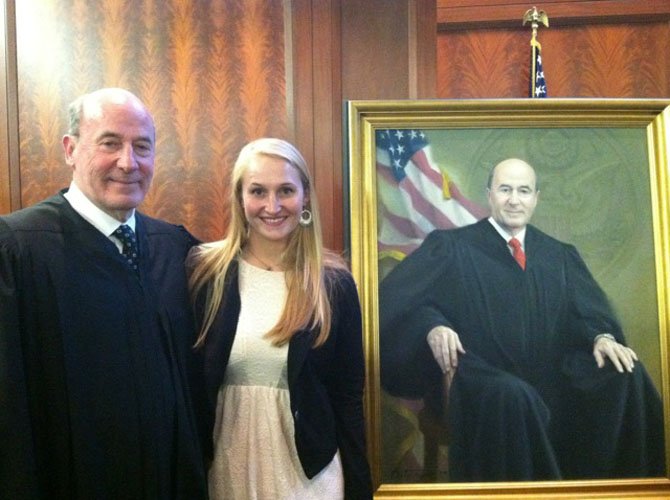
(10, 188)
(467, 14)
(313, 87)
(422, 43)
(4, 136)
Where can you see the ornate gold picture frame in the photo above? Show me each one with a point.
(615, 151)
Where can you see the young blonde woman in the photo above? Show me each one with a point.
(280, 334)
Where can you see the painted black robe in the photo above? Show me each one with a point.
(528, 401)
(94, 362)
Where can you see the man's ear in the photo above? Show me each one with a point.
(69, 143)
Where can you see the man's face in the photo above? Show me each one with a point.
(113, 157)
(513, 195)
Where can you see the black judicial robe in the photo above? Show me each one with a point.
(527, 401)
(95, 362)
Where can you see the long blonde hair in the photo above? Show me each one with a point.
(304, 259)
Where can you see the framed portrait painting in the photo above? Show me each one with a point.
(417, 166)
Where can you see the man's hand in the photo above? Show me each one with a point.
(621, 356)
(446, 345)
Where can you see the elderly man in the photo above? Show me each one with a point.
(95, 326)
(542, 385)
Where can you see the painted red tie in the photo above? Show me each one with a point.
(517, 252)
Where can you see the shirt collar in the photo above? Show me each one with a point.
(521, 235)
(99, 219)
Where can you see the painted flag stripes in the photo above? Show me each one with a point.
(414, 195)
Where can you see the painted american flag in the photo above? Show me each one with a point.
(414, 195)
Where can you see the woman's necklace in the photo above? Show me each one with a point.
(267, 266)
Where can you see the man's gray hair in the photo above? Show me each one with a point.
(74, 113)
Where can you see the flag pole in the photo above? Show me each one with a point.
(535, 17)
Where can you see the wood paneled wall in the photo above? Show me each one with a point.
(215, 74)
(218, 73)
(591, 49)
(212, 73)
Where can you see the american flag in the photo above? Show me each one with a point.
(414, 195)
(538, 86)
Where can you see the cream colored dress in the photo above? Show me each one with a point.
(254, 449)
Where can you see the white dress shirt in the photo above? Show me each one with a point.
(99, 219)
(521, 235)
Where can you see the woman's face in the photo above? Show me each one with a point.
(272, 198)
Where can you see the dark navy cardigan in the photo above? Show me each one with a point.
(325, 384)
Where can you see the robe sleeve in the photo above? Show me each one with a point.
(407, 312)
(202, 397)
(18, 470)
(592, 313)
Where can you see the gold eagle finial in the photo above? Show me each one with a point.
(535, 17)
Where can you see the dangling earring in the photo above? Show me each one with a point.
(305, 218)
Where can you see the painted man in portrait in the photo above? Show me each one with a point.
(541, 382)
